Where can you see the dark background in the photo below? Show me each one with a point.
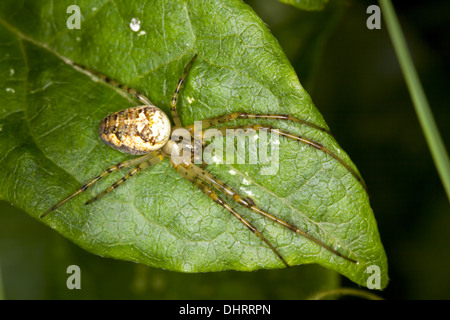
(355, 81)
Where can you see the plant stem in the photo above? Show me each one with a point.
(2, 295)
(335, 293)
(426, 119)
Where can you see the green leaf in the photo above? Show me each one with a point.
(307, 4)
(49, 143)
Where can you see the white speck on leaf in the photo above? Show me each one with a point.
(247, 192)
(141, 33)
(11, 72)
(10, 90)
(190, 99)
(135, 24)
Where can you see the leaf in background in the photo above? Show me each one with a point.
(49, 146)
(303, 35)
(307, 4)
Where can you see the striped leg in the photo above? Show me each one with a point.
(121, 165)
(206, 123)
(288, 135)
(139, 168)
(173, 102)
(114, 83)
(208, 178)
(203, 186)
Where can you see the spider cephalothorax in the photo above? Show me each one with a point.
(146, 130)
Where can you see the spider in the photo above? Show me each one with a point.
(146, 130)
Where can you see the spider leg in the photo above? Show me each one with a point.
(206, 123)
(304, 140)
(210, 179)
(111, 169)
(173, 102)
(114, 83)
(140, 167)
(205, 188)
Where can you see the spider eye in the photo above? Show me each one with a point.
(137, 130)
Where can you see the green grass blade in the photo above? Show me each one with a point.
(2, 294)
(421, 105)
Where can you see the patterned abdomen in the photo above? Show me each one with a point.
(137, 130)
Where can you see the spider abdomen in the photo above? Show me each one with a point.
(137, 130)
